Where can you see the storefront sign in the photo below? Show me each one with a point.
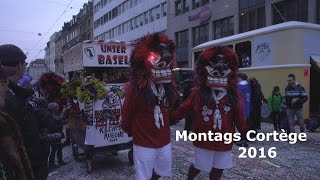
(106, 54)
(204, 15)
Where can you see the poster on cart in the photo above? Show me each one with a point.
(108, 117)
(106, 54)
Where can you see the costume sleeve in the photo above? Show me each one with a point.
(127, 112)
(185, 108)
(239, 117)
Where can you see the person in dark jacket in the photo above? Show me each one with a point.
(17, 106)
(274, 102)
(257, 98)
(296, 96)
(14, 161)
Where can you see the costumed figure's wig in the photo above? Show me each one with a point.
(205, 59)
(50, 83)
(140, 75)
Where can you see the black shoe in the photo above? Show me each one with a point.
(61, 162)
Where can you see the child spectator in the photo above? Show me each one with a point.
(274, 102)
(59, 122)
(284, 122)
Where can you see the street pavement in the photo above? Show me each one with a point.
(293, 162)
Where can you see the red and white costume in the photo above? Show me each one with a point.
(216, 108)
(149, 97)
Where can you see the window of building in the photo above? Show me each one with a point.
(136, 25)
(246, 4)
(185, 6)
(182, 47)
(200, 34)
(146, 17)
(178, 7)
(152, 14)
(141, 19)
(164, 9)
(123, 7)
(195, 4)
(131, 24)
(243, 51)
(290, 10)
(131, 3)
(223, 28)
(119, 30)
(157, 12)
(252, 19)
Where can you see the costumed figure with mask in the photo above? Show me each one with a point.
(217, 107)
(150, 96)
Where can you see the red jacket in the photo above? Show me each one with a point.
(230, 118)
(138, 121)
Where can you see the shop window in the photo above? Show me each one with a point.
(243, 51)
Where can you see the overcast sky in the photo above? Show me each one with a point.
(21, 21)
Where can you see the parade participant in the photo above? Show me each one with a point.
(14, 161)
(217, 107)
(296, 96)
(50, 84)
(150, 95)
(17, 106)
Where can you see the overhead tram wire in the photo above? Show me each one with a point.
(49, 30)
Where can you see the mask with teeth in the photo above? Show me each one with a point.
(157, 53)
(216, 67)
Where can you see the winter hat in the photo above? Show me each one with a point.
(11, 55)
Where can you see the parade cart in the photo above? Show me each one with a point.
(95, 126)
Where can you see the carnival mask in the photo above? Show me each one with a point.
(159, 64)
(218, 71)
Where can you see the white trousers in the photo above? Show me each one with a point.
(148, 159)
(205, 159)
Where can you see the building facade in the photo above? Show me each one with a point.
(128, 20)
(192, 22)
(58, 61)
(37, 68)
(73, 34)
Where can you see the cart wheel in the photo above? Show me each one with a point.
(89, 165)
(130, 157)
(75, 151)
